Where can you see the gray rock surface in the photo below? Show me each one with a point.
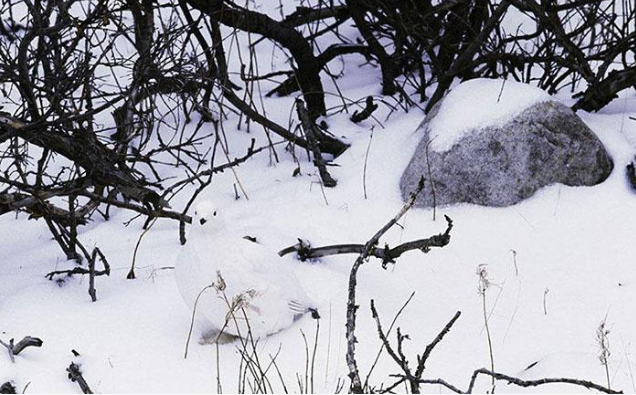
(501, 165)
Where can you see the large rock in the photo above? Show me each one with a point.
(502, 164)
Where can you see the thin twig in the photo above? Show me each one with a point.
(534, 383)
(352, 307)
(430, 179)
(194, 312)
(131, 273)
(364, 170)
(388, 332)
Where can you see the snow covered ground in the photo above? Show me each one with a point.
(560, 263)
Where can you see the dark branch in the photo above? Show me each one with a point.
(311, 131)
(352, 307)
(75, 375)
(387, 255)
(7, 388)
(535, 383)
(15, 349)
(599, 94)
(370, 107)
(631, 174)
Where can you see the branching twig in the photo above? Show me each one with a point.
(388, 255)
(91, 271)
(534, 383)
(413, 378)
(352, 307)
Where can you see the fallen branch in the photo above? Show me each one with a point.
(75, 375)
(519, 382)
(92, 273)
(27, 341)
(631, 174)
(36, 204)
(75, 270)
(534, 383)
(388, 255)
(15, 349)
(7, 388)
(370, 107)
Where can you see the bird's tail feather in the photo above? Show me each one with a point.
(300, 309)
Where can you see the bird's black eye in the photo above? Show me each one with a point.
(203, 221)
(214, 214)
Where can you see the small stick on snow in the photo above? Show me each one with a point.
(519, 382)
(15, 349)
(370, 107)
(364, 170)
(7, 388)
(75, 375)
(631, 174)
(534, 383)
(27, 341)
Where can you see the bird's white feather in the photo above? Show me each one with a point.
(242, 287)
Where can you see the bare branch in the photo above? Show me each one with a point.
(388, 255)
(352, 307)
(75, 375)
(311, 132)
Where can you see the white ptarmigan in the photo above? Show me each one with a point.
(242, 287)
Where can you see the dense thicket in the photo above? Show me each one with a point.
(97, 93)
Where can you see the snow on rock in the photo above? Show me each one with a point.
(502, 165)
(475, 104)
